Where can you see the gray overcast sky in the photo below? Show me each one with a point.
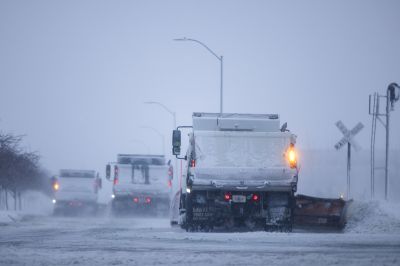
(74, 74)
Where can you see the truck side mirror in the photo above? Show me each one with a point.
(176, 142)
(108, 171)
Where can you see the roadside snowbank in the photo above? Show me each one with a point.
(36, 203)
(33, 203)
(7, 217)
(373, 217)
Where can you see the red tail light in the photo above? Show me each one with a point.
(255, 197)
(170, 176)
(227, 196)
(116, 172)
(135, 199)
(193, 163)
(148, 200)
(170, 172)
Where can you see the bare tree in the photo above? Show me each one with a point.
(19, 170)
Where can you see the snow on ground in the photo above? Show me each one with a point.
(371, 238)
(7, 217)
(146, 241)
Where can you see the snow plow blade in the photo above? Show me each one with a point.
(315, 212)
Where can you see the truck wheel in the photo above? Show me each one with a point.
(57, 212)
(189, 213)
(95, 209)
(289, 228)
(114, 209)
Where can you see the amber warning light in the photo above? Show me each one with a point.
(292, 156)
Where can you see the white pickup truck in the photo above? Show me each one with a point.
(141, 184)
(75, 191)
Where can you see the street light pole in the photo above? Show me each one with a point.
(159, 134)
(173, 114)
(166, 109)
(143, 143)
(222, 88)
(221, 60)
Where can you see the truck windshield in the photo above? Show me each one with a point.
(151, 175)
(240, 149)
(75, 174)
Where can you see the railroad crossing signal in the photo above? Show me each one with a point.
(348, 135)
(348, 138)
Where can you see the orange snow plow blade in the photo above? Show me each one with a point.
(320, 212)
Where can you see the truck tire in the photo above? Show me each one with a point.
(114, 210)
(189, 213)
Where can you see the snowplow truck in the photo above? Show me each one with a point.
(141, 184)
(240, 170)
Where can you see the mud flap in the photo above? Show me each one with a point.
(279, 215)
(315, 212)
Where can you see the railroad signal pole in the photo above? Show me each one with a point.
(392, 96)
(348, 138)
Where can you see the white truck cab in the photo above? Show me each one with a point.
(75, 190)
(141, 184)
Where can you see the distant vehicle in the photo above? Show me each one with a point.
(241, 170)
(141, 184)
(76, 191)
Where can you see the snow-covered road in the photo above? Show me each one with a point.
(43, 240)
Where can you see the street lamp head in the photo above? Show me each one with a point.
(163, 106)
(180, 39)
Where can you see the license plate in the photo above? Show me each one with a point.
(75, 203)
(239, 198)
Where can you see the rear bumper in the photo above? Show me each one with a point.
(127, 202)
(75, 202)
(273, 186)
(212, 207)
(75, 206)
